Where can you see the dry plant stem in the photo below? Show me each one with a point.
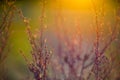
(112, 38)
(82, 69)
(4, 29)
(99, 54)
(40, 54)
(59, 23)
(71, 50)
(96, 44)
(7, 17)
(2, 26)
(96, 48)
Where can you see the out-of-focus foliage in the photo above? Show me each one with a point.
(6, 18)
(85, 43)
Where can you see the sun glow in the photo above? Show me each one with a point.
(73, 4)
(77, 4)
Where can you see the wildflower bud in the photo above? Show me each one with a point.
(51, 52)
(45, 40)
(35, 36)
(45, 26)
(40, 75)
(26, 21)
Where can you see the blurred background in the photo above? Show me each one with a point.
(64, 17)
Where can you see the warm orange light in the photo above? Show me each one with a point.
(76, 4)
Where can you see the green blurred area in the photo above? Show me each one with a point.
(18, 40)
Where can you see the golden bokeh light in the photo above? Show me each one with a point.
(76, 4)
